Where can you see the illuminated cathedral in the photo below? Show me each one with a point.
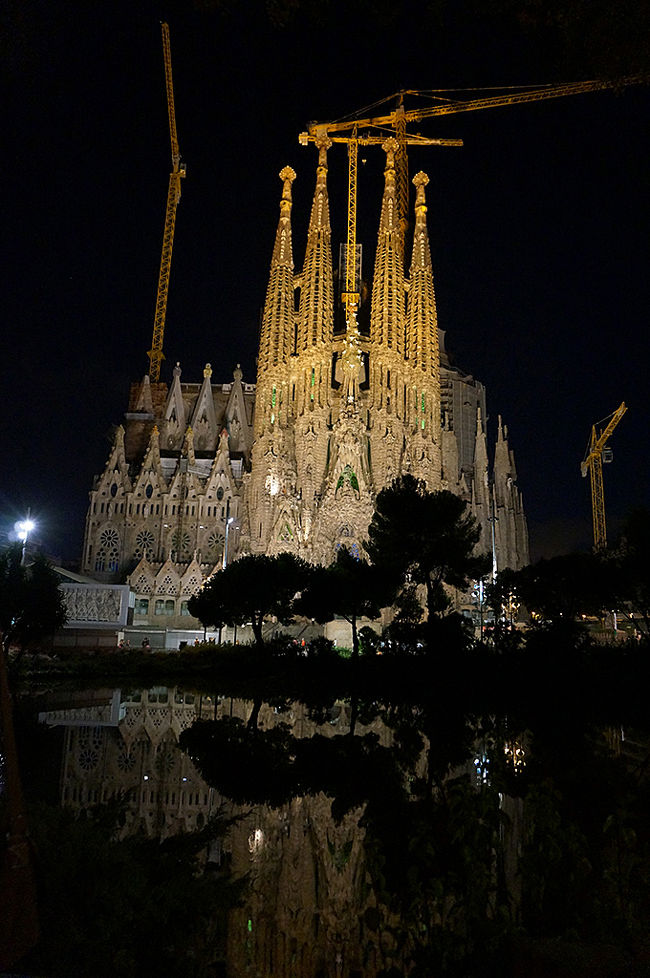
(343, 404)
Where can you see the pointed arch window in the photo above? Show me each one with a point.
(108, 554)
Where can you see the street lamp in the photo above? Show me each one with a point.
(23, 529)
(229, 521)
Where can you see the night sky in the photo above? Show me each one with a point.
(539, 225)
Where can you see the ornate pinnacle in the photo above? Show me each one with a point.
(390, 147)
(287, 175)
(323, 143)
(420, 180)
(207, 370)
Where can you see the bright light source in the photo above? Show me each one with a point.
(23, 528)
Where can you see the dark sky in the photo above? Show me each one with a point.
(539, 225)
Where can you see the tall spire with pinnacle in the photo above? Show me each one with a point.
(422, 352)
(387, 303)
(276, 340)
(317, 293)
(421, 320)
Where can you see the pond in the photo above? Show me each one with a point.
(204, 834)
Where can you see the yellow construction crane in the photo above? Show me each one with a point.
(368, 130)
(316, 131)
(155, 354)
(593, 463)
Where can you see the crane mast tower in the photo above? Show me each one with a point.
(593, 464)
(155, 354)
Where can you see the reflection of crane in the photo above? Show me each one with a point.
(593, 463)
(155, 354)
(360, 132)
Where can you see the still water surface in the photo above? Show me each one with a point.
(368, 839)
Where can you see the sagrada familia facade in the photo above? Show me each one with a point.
(343, 404)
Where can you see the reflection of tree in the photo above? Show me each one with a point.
(430, 841)
(552, 835)
(92, 889)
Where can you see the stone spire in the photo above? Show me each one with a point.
(316, 314)
(276, 340)
(481, 485)
(421, 320)
(503, 476)
(387, 303)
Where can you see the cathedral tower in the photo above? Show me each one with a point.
(339, 417)
(202, 472)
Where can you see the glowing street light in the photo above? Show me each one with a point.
(23, 528)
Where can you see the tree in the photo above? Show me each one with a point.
(31, 607)
(251, 589)
(31, 603)
(631, 567)
(349, 587)
(426, 538)
(562, 587)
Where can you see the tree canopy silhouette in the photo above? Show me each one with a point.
(349, 587)
(31, 603)
(425, 538)
(251, 589)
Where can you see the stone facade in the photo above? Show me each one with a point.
(342, 406)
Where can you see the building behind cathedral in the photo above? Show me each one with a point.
(202, 472)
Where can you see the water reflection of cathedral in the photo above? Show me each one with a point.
(310, 908)
(127, 748)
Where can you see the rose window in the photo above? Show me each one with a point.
(144, 544)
